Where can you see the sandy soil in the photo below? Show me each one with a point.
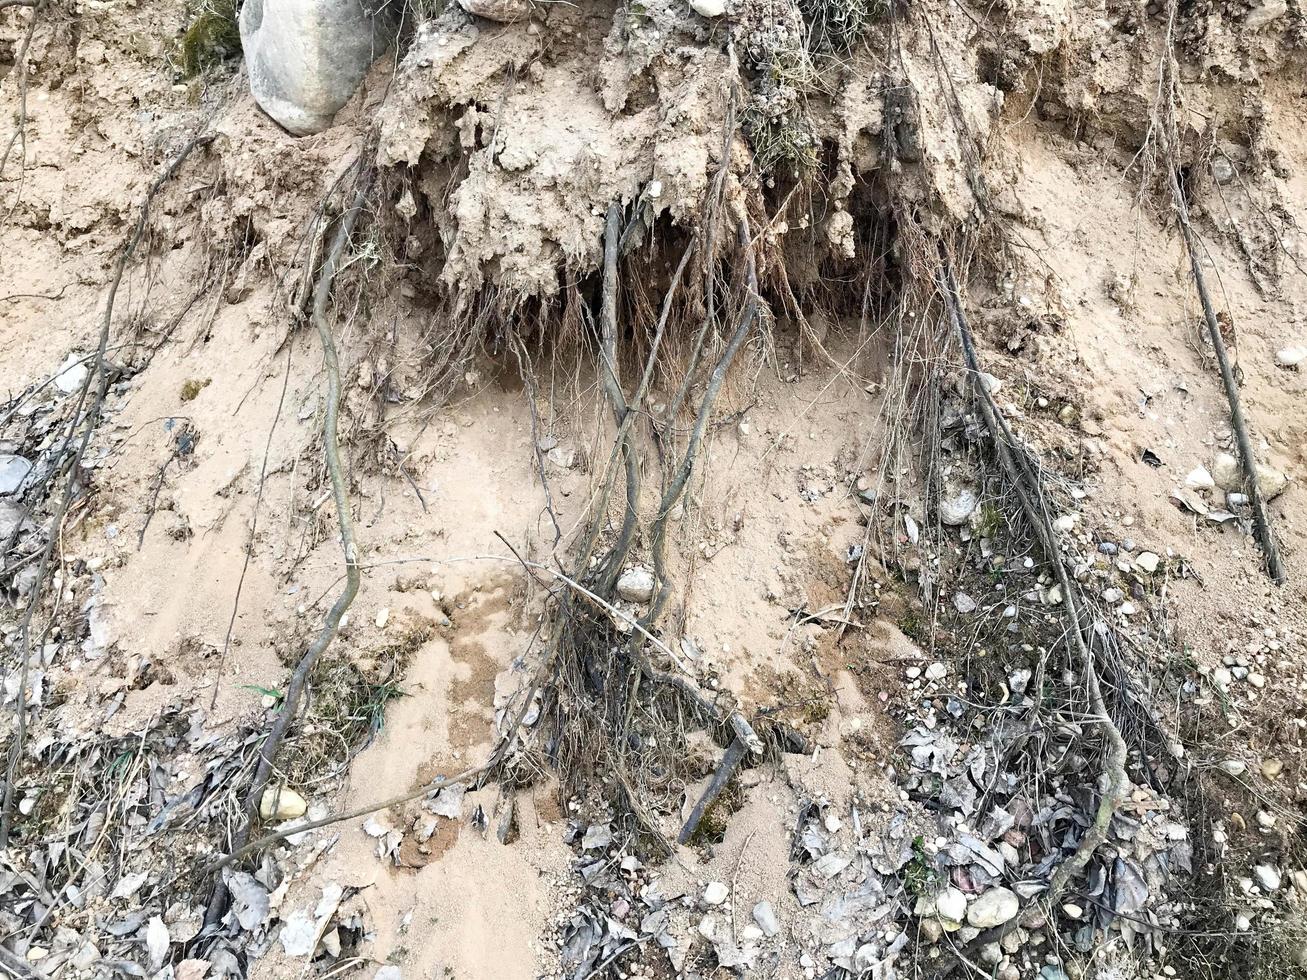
(208, 569)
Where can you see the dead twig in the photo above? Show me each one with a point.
(267, 840)
(528, 379)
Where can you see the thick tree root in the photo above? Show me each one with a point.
(1261, 516)
(615, 693)
(1029, 490)
(331, 450)
(735, 754)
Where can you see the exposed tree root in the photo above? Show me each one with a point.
(331, 451)
(616, 711)
(19, 136)
(1167, 96)
(1028, 486)
(70, 464)
(1261, 516)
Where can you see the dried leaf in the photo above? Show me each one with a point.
(250, 904)
(157, 942)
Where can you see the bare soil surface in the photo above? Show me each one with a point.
(850, 572)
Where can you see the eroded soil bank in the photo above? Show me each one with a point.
(587, 555)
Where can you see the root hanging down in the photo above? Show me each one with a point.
(615, 710)
(1029, 490)
(1168, 97)
(331, 624)
(1261, 515)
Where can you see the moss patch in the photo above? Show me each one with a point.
(193, 387)
(211, 38)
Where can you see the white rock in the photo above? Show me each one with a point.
(963, 603)
(1227, 472)
(765, 916)
(500, 11)
(1072, 910)
(636, 585)
(1229, 476)
(1199, 479)
(1234, 767)
(1065, 524)
(562, 457)
(936, 671)
(1291, 356)
(956, 507)
(281, 803)
(1267, 876)
(708, 8)
(305, 58)
(72, 375)
(383, 617)
(951, 904)
(715, 893)
(1147, 562)
(993, 908)
(1271, 481)
(1264, 13)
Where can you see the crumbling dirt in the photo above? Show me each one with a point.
(816, 586)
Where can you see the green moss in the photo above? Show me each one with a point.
(913, 628)
(817, 710)
(712, 825)
(193, 387)
(211, 37)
